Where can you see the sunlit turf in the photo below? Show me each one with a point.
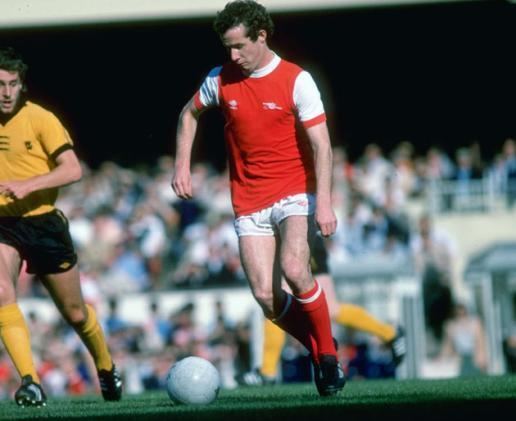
(474, 398)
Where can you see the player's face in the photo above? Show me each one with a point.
(10, 89)
(248, 55)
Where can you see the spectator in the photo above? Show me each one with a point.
(433, 252)
(402, 159)
(464, 338)
(374, 169)
(150, 233)
(127, 271)
(438, 165)
(156, 329)
(465, 174)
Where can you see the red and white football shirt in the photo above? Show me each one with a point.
(269, 155)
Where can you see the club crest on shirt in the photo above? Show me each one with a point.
(271, 106)
(28, 145)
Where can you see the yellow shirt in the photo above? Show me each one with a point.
(29, 142)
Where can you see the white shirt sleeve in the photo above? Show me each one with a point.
(307, 97)
(209, 90)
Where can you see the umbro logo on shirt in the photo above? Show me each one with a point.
(65, 265)
(233, 104)
(271, 106)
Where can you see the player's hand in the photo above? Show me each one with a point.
(182, 184)
(17, 189)
(326, 220)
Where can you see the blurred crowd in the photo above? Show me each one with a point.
(134, 236)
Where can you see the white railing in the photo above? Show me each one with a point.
(483, 195)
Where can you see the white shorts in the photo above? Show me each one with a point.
(266, 221)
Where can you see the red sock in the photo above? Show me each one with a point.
(293, 321)
(313, 304)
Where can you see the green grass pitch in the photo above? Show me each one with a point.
(485, 398)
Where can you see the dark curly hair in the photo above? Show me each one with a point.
(11, 61)
(247, 12)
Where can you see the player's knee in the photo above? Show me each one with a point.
(264, 298)
(75, 315)
(294, 271)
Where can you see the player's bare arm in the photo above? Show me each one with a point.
(67, 171)
(320, 142)
(186, 129)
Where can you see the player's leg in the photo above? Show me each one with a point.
(258, 255)
(274, 339)
(263, 261)
(65, 290)
(295, 257)
(359, 318)
(273, 342)
(53, 258)
(14, 332)
(296, 232)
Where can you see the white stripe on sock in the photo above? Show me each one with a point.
(313, 297)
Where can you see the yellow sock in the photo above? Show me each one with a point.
(16, 338)
(93, 337)
(358, 318)
(273, 341)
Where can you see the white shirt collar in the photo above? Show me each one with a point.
(267, 69)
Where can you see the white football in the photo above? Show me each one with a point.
(193, 380)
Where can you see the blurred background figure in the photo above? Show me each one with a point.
(433, 252)
(465, 174)
(464, 339)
